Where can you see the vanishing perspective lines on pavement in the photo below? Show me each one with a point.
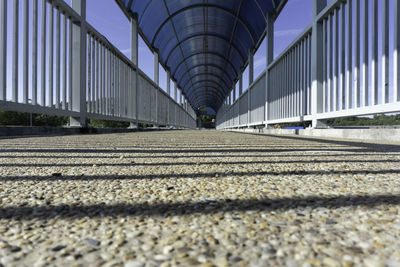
(198, 197)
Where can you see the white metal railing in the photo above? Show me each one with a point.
(346, 63)
(290, 80)
(68, 68)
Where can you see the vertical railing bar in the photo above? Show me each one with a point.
(3, 50)
(58, 30)
(64, 74)
(292, 83)
(105, 89)
(331, 66)
(120, 91)
(280, 111)
(279, 95)
(34, 51)
(324, 56)
(303, 73)
(301, 76)
(295, 77)
(99, 77)
(342, 103)
(309, 65)
(51, 53)
(106, 80)
(275, 91)
(374, 66)
(385, 51)
(365, 55)
(271, 96)
(287, 91)
(15, 52)
(109, 82)
(357, 80)
(396, 54)
(275, 95)
(25, 52)
(306, 77)
(93, 66)
(102, 79)
(112, 84)
(336, 61)
(289, 103)
(349, 78)
(291, 87)
(70, 65)
(304, 60)
(117, 86)
(283, 94)
(122, 81)
(97, 109)
(89, 73)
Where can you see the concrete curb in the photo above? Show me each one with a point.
(371, 134)
(11, 131)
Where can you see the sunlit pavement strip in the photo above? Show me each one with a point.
(198, 198)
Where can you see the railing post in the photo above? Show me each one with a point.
(168, 93)
(3, 50)
(240, 84)
(396, 59)
(156, 80)
(251, 73)
(175, 91)
(251, 66)
(269, 59)
(135, 60)
(79, 65)
(316, 64)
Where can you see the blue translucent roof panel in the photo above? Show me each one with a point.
(204, 43)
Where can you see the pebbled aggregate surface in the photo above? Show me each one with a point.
(198, 198)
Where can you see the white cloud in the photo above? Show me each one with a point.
(289, 32)
(128, 50)
(259, 62)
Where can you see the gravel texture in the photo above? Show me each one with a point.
(202, 198)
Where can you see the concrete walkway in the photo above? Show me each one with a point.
(198, 198)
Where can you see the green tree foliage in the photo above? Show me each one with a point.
(14, 118)
(96, 123)
(365, 121)
(208, 121)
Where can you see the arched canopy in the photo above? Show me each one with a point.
(204, 43)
